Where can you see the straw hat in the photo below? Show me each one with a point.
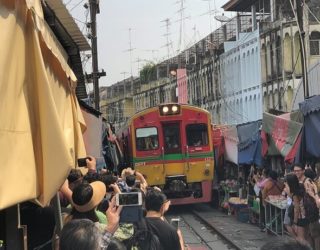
(98, 192)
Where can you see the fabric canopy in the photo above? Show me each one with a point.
(249, 147)
(311, 133)
(231, 144)
(311, 105)
(282, 134)
(93, 136)
(218, 142)
(41, 126)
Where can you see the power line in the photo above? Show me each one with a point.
(210, 12)
(297, 13)
(287, 86)
(76, 5)
(68, 2)
(312, 14)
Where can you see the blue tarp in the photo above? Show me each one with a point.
(249, 147)
(311, 129)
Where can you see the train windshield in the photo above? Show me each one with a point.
(147, 139)
(197, 134)
(171, 133)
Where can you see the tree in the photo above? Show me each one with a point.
(148, 73)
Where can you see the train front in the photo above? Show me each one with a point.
(171, 146)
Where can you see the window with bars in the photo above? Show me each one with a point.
(315, 43)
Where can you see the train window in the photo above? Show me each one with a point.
(171, 132)
(197, 134)
(147, 139)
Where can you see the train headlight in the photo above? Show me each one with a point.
(165, 109)
(169, 109)
(174, 108)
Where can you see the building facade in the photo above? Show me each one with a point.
(249, 65)
(240, 77)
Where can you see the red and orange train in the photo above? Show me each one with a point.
(171, 145)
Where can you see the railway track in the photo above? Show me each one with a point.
(198, 234)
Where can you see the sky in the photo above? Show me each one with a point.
(148, 40)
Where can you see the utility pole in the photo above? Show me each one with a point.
(94, 9)
(300, 5)
(182, 42)
(167, 34)
(181, 11)
(124, 83)
(130, 51)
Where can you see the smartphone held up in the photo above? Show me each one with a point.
(175, 222)
(129, 199)
(82, 162)
(132, 209)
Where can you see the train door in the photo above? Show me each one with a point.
(148, 154)
(199, 157)
(172, 148)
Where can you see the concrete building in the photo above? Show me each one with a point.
(240, 77)
(249, 65)
(281, 68)
(213, 80)
(117, 102)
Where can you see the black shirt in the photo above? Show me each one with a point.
(166, 233)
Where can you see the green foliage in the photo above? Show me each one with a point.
(148, 73)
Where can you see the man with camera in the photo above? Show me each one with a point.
(130, 178)
(156, 205)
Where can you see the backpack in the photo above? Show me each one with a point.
(310, 207)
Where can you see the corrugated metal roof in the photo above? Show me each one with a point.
(69, 24)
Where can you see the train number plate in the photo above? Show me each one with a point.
(139, 164)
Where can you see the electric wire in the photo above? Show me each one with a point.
(301, 41)
(312, 14)
(288, 82)
(75, 6)
(68, 2)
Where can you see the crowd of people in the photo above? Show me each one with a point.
(93, 220)
(93, 203)
(92, 216)
(301, 187)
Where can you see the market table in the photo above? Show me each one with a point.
(239, 206)
(274, 215)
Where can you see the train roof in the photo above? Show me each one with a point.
(169, 103)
